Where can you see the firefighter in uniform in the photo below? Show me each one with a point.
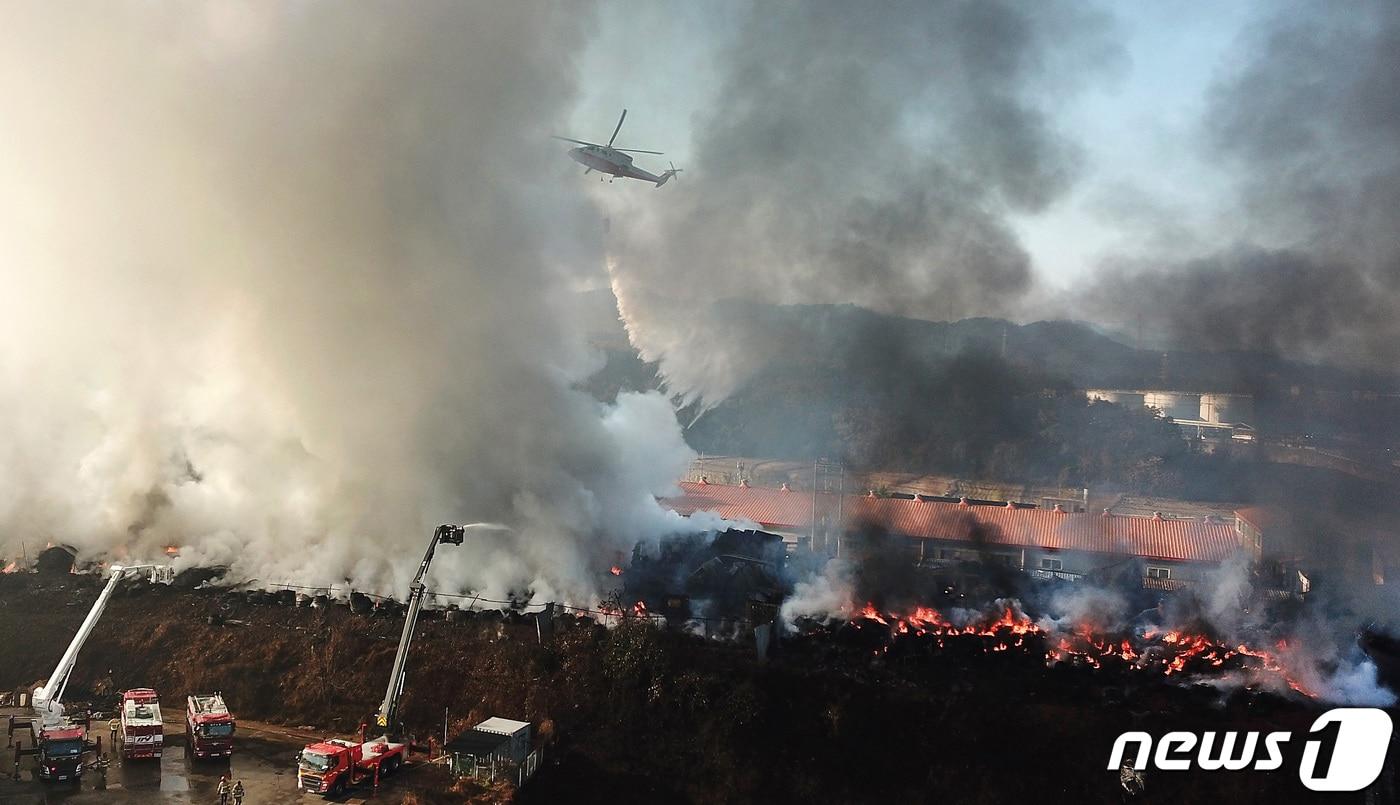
(223, 790)
(238, 793)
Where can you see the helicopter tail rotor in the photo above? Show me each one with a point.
(666, 176)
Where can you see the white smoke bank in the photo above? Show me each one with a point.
(1100, 609)
(1356, 684)
(283, 287)
(826, 595)
(1225, 594)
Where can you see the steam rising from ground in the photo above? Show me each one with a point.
(278, 285)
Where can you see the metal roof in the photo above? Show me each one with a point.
(502, 726)
(1148, 537)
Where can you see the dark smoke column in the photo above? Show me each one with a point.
(854, 157)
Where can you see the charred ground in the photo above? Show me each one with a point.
(638, 714)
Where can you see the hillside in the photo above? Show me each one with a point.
(987, 398)
(634, 714)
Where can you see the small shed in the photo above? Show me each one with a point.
(497, 747)
(478, 744)
(517, 732)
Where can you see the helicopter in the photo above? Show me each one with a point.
(615, 161)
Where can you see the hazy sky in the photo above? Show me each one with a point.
(1139, 124)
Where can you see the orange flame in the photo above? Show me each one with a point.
(1009, 629)
(615, 570)
(10, 568)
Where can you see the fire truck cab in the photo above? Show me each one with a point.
(141, 733)
(333, 766)
(208, 726)
(60, 752)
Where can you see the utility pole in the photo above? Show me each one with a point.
(822, 471)
(840, 504)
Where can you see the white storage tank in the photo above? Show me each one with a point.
(1227, 409)
(1127, 399)
(1175, 404)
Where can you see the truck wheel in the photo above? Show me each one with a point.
(390, 766)
(338, 788)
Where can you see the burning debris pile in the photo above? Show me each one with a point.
(1004, 627)
(734, 576)
(1220, 632)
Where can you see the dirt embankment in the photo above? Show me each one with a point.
(638, 715)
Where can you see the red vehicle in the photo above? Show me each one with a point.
(333, 766)
(60, 752)
(57, 739)
(141, 732)
(208, 726)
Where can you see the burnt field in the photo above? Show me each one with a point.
(636, 713)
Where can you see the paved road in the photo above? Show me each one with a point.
(263, 759)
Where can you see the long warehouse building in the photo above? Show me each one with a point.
(1043, 540)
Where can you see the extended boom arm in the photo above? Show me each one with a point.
(388, 715)
(48, 698)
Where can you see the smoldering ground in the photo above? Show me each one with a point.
(1303, 649)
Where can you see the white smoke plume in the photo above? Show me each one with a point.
(285, 285)
(827, 595)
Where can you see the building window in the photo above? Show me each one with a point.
(1159, 572)
(1051, 564)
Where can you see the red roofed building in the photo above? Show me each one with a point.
(1047, 540)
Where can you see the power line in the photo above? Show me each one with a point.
(515, 606)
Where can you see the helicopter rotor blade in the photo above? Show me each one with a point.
(638, 151)
(619, 128)
(572, 140)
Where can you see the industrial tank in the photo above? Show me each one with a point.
(1227, 408)
(1127, 399)
(1175, 404)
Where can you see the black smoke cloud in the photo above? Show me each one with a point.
(1308, 122)
(854, 156)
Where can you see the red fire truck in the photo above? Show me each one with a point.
(60, 753)
(330, 767)
(333, 766)
(141, 732)
(208, 726)
(58, 740)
